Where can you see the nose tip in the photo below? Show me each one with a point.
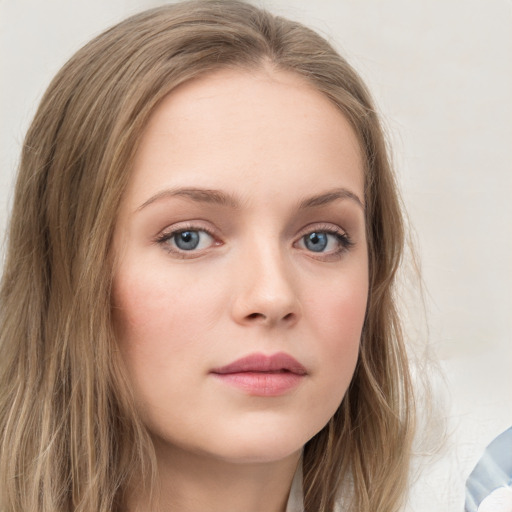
(267, 296)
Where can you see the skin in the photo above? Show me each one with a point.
(268, 144)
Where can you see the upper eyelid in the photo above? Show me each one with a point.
(339, 233)
(202, 225)
(169, 232)
(187, 226)
(165, 236)
(322, 226)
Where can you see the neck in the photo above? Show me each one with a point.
(190, 482)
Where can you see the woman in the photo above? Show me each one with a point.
(197, 302)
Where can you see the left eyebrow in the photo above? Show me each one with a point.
(329, 197)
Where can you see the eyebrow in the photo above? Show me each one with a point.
(200, 195)
(218, 197)
(329, 197)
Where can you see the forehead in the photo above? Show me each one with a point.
(246, 130)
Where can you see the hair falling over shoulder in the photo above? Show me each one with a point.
(70, 438)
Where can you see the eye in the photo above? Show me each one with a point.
(325, 242)
(186, 240)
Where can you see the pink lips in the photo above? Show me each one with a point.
(261, 375)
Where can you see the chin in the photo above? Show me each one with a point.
(255, 436)
(240, 446)
(262, 452)
(261, 443)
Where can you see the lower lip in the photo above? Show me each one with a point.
(262, 383)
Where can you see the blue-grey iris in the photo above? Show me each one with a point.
(316, 242)
(186, 240)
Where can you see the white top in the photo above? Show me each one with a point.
(296, 497)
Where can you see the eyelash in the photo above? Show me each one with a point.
(342, 237)
(164, 238)
(344, 240)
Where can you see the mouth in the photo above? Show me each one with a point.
(262, 375)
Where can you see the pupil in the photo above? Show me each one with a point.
(316, 242)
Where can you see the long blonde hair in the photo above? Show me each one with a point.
(71, 439)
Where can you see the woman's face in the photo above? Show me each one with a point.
(242, 273)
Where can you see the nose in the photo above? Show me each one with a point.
(266, 291)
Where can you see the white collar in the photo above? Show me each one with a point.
(296, 496)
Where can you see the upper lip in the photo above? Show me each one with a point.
(280, 362)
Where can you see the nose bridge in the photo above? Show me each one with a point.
(267, 290)
(271, 272)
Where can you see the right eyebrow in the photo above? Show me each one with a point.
(200, 195)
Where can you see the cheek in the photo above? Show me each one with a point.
(339, 309)
(157, 321)
(343, 313)
(148, 301)
(338, 316)
(156, 329)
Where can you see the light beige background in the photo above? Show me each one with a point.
(441, 72)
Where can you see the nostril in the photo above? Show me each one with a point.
(254, 316)
(260, 316)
